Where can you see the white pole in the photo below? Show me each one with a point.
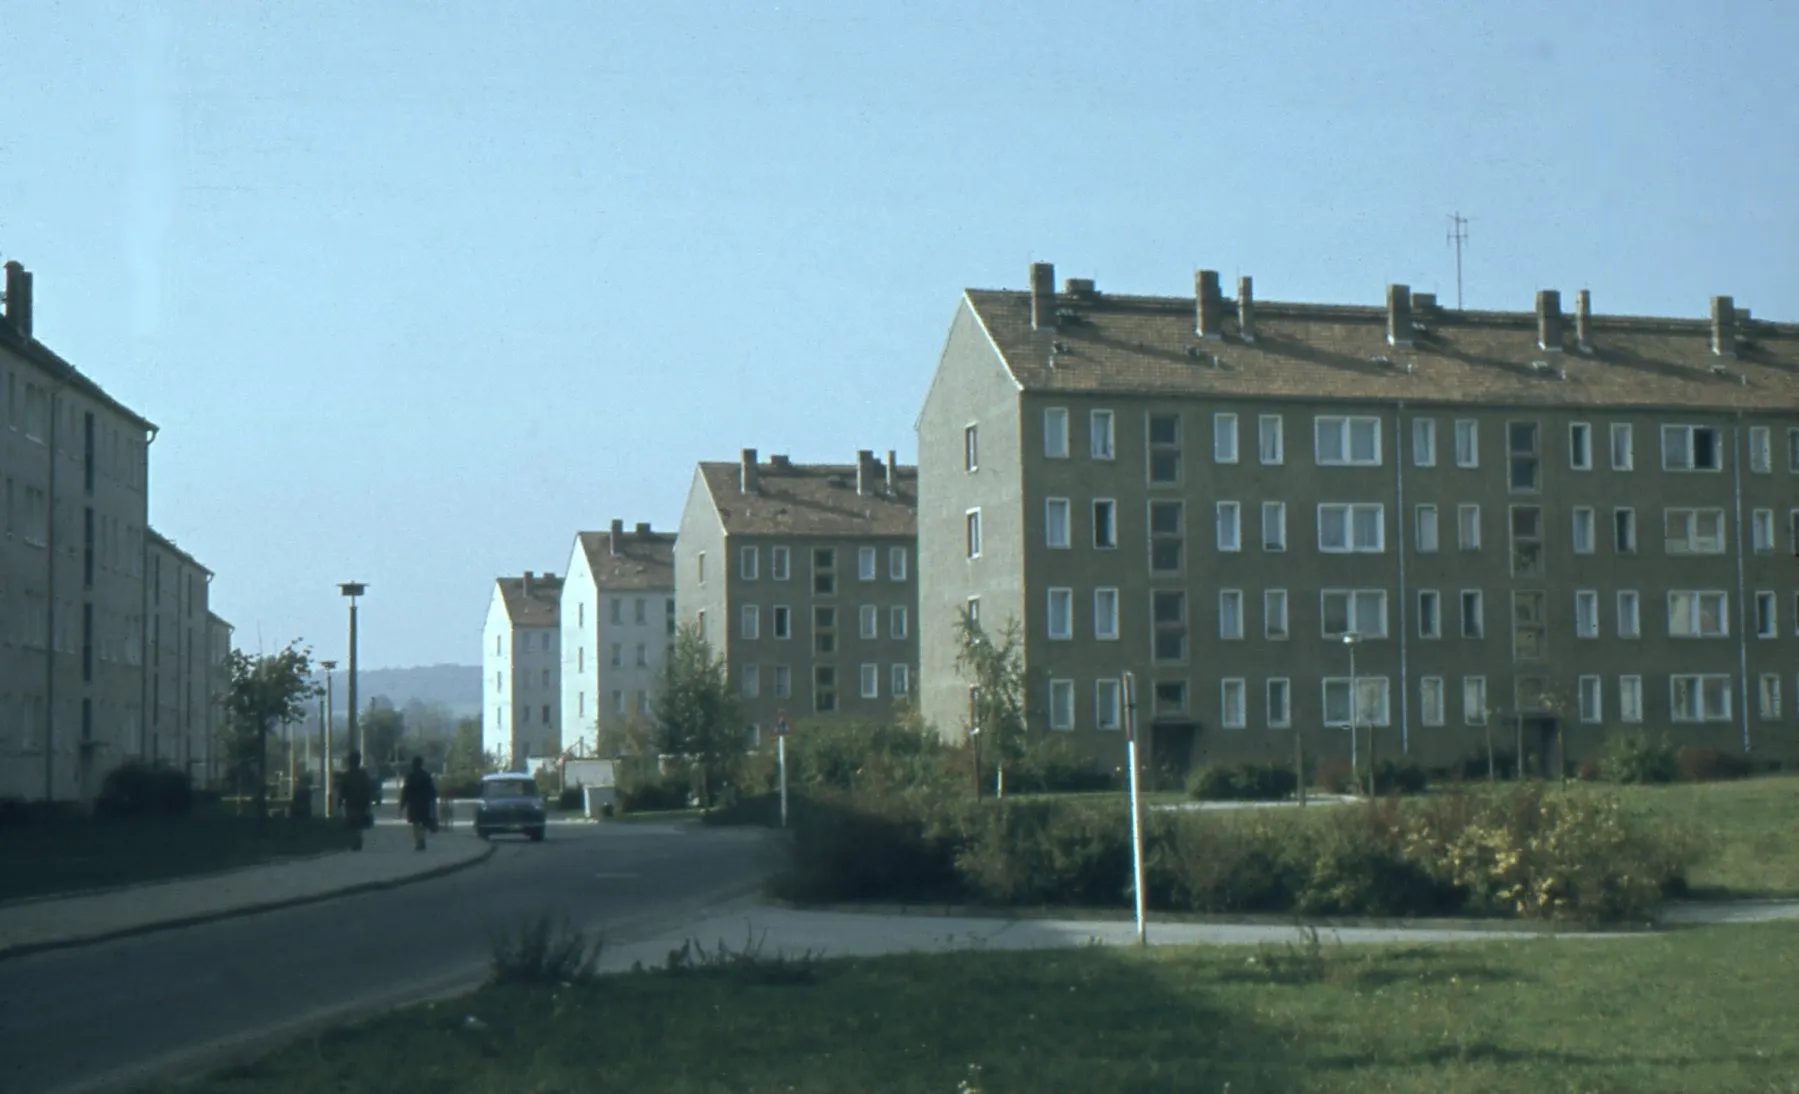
(1130, 745)
(781, 754)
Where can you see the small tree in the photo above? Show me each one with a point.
(996, 670)
(697, 714)
(465, 760)
(264, 691)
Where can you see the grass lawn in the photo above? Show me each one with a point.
(72, 854)
(1746, 831)
(1695, 1010)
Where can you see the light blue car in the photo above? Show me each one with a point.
(510, 803)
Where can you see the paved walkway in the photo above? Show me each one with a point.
(387, 859)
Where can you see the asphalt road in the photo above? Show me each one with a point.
(108, 1016)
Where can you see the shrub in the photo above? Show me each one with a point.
(1052, 765)
(1243, 782)
(643, 787)
(299, 806)
(1400, 777)
(1504, 765)
(543, 952)
(746, 809)
(1204, 865)
(1710, 765)
(1359, 866)
(1335, 776)
(1047, 852)
(870, 850)
(136, 788)
(1636, 757)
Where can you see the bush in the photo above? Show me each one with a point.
(1474, 765)
(461, 787)
(1046, 852)
(643, 787)
(1335, 776)
(1243, 782)
(136, 788)
(1400, 777)
(869, 850)
(299, 806)
(543, 953)
(1710, 765)
(1636, 757)
(1052, 765)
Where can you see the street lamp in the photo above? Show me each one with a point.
(353, 589)
(325, 738)
(1352, 639)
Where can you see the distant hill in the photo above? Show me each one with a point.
(457, 687)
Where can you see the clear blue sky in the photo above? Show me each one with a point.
(417, 290)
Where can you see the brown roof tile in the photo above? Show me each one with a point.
(1147, 345)
(813, 499)
(644, 561)
(542, 608)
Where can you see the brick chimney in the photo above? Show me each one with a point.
(746, 472)
(1246, 309)
(1043, 296)
(1208, 303)
(865, 471)
(618, 532)
(1399, 315)
(18, 299)
(892, 470)
(1724, 326)
(1549, 320)
(530, 580)
(1583, 318)
(643, 529)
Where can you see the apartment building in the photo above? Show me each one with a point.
(218, 651)
(618, 623)
(73, 467)
(521, 668)
(802, 577)
(1522, 522)
(178, 677)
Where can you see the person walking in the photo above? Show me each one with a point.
(355, 795)
(418, 796)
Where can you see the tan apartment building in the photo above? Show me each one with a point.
(73, 511)
(618, 623)
(802, 577)
(1523, 520)
(179, 676)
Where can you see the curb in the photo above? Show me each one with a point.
(114, 890)
(29, 948)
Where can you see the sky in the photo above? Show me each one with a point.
(415, 291)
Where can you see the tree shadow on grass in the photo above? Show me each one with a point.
(1310, 960)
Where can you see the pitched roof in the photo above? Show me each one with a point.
(542, 608)
(42, 356)
(157, 539)
(1147, 345)
(812, 499)
(645, 560)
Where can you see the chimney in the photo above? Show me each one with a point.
(892, 469)
(1724, 326)
(746, 472)
(865, 471)
(1080, 287)
(1399, 315)
(643, 529)
(1583, 316)
(530, 579)
(1246, 309)
(18, 299)
(1043, 296)
(618, 531)
(1549, 320)
(1208, 323)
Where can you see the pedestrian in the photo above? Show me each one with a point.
(354, 794)
(418, 797)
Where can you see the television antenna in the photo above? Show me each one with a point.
(1458, 235)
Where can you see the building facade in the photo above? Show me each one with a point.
(801, 576)
(218, 674)
(618, 622)
(178, 676)
(1529, 527)
(521, 667)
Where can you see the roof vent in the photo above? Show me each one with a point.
(1080, 287)
(781, 460)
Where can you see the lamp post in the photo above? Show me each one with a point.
(353, 589)
(1351, 640)
(325, 739)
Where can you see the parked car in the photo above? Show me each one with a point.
(510, 803)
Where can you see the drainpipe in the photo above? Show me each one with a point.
(1405, 687)
(1743, 614)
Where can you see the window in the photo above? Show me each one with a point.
(1580, 446)
(1522, 443)
(1274, 526)
(1761, 449)
(1102, 435)
(1061, 613)
(900, 680)
(618, 654)
(1467, 443)
(1694, 531)
(1474, 624)
(1424, 442)
(1274, 614)
(640, 610)
(824, 571)
(618, 703)
(1108, 708)
(1224, 438)
(1768, 696)
(1346, 442)
(1430, 613)
(783, 681)
(1280, 703)
(1105, 614)
(1700, 698)
(1591, 702)
(1230, 526)
(867, 563)
(1630, 617)
(1271, 439)
(899, 622)
(1055, 433)
(750, 677)
(896, 564)
(1690, 448)
(974, 609)
(1351, 529)
(1623, 447)
(699, 567)
(1169, 611)
(1693, 614)
(1105, 524)
(1427, 529)
(1230, 613)
(752, 621)
(1354, 611)
(616, 610)
(1166, 536)
(643, 656)
(1467, 517)
(824, 629)
(1586, 613)
(869, 621)
(1164, 449)
(1430, 700)
(1624, 531)
(783, 622)
(1232, 703)
(1061, 705)
(746, 564)
(778, 567)
(973, 540)
(1371, 708)
(1761, 531)
(1630, 698)
(971, 447)
(1055, 523)
(824, 688)
(1527, 540)
(1474, 700)
(871, 681)
(1584, 533)
(1766, 624)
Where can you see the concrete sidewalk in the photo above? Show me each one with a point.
(386, 860)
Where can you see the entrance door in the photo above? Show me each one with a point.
(1540, 738)
(1171, 752)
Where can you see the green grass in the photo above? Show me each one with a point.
(1699, 1010)
(1746, 831)
(80, 853)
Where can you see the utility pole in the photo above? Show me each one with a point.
(353, 589)
(1458, 235)
(325, 738)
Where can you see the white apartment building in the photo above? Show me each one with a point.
(178, 679)
(618, 621)
(521, 667)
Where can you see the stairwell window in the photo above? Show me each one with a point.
(972, 533)
(1224, 438)
(971, 447)
(1168, 609)
(1167, 538)
(1164, 449)
(1346, 441)
(824, 688)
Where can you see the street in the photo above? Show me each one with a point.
(104, 1016)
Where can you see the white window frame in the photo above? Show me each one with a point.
(1427, 530)
(899, 622)
(1586, 613)
(1767, 696)
(1761, 450)
(748, 562)
(898, 563)
(1424, 442)
(1586, 530)
(781, 613)
(1230, 597)
(1467, 443)
(1630, 620)
(1229, 522)
(1108, 717)
(1697, 683)
(750, 622)
(1111, 507)
(1630, 699)
(1696, 600)
(1372, 701)
(1271, 440)
(868, 564)
(1431, 713)
(1102, 435)
(1353, 613)
(1580, 446)
(1225, 441)
(1105, 614)
(780, 563)
(900, 679)
(972, 533)
(1474, 700)
(1625, 535)
(1467, 526)
(1623, 447)
(1283, 717)
(1055, 433)
(1434, 617)
(971, 447)
(1064, 596)
(868, 622)
(1767, 623)
(1761, 531)
(1479, 615)
(1276, 626)
(1051, 506)
(1680, 450)
(1341, 452)
(1233, 715)
(749, 681)
(1590, 699)
(869, 679)
(1350, 511)
(1274, 515)
(1691, 542)
(1061, 705)
(1793, 450)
